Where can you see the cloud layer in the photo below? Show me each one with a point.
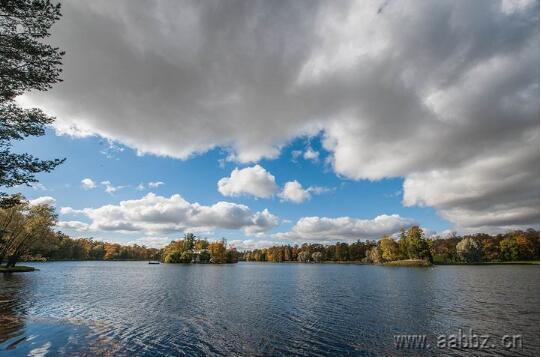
(157, 214)
(443, 93)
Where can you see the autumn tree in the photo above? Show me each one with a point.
(374, 255)
(218, 252)
(201, 244)
(389, 249)
(303, 256)
(23, 225)
(26, 63)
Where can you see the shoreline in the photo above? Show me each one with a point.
(396, 263)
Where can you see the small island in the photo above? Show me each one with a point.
(193, 250)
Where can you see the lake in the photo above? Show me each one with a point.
(127, 308)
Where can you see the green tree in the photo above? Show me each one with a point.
(189, 241)
(469, 250)
(24, 225)
(204, 257)
(26, 63)
(173, 257)
(414, 245)
(509, 249)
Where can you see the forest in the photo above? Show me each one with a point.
(412, 244)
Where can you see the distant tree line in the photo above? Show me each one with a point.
(62, 247)
(512, 246)
(27, 233)
(411, 244)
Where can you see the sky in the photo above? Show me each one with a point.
(286, 122)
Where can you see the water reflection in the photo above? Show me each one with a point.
(126, 308)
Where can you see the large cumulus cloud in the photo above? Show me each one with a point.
(158, 214)
(325, 229)
(443, 93)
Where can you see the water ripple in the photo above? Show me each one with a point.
(131, 308)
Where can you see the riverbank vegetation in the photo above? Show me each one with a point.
(412, 245)
(27, 233)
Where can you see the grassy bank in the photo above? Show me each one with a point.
(16, 269)
(409, 263)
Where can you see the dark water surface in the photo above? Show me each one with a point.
(127, 308)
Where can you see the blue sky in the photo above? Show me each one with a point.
(195, 179)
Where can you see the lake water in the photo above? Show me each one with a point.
(127, 308)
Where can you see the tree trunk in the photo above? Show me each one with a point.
(12, 260)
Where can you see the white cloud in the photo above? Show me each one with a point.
(319, 190)
(254, 181)
(311, 154)
(251, 244)
(155, 184)
(397, 88)
(112, 150)
(157, 214)
(294, 192)
(109, 188)
(151, 242)
(75, 225)
(295, 154)
(43, 200)
(36, 186)
(88, 184)
(68, 210)
(325, 229)
(261, 222)
(140, 187)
